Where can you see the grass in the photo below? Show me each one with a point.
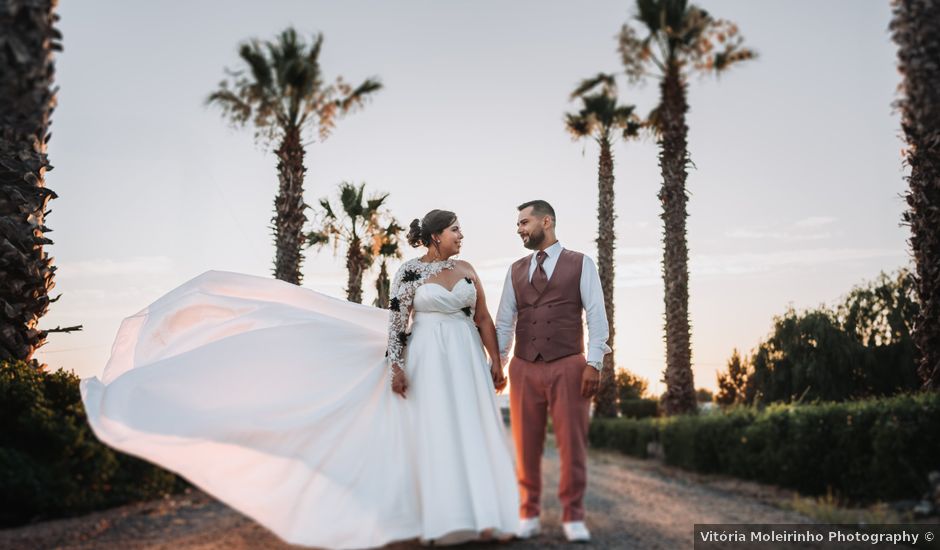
(829, 508)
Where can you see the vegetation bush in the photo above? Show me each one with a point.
(51, 463)
(866, 450)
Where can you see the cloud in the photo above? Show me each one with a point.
(793, 232)
(776, 235)
(628, 251)
(716, 266)
(814, 221)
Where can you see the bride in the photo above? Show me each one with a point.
(331, 423)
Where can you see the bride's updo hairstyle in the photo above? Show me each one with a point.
(433, 222)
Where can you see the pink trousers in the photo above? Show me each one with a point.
(536, 390)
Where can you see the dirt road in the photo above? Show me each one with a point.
(632, 504)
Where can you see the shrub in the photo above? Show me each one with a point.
(875, 449)
(51, 463)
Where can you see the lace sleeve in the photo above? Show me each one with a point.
(400, 305)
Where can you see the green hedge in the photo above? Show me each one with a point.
(51, 463)
(638, 408)
(877, 449)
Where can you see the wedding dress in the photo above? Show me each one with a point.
(276, 400)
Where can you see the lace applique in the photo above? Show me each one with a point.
(469, 309)
(408, 278)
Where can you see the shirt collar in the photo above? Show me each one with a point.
(551, 252)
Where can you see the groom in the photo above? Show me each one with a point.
(542, 301)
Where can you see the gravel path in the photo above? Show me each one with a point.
(631, 503)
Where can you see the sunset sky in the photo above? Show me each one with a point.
(795, 193)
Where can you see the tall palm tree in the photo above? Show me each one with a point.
(680, 39)
(28, 38)
(916, 30)
(385, 245)
(602, 118)
(282, 93)
(358, 224)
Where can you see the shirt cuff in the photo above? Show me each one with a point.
(596, 364)
(595, 354)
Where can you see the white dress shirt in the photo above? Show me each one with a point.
(592, 300)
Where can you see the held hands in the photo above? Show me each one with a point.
(590, 381)
(399, 382)
(499, 379)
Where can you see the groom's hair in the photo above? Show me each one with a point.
(540, 208)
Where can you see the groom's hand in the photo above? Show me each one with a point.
(590, 381)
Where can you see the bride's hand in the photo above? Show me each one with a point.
(499, 379)
(399, 381)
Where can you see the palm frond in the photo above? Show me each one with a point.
(373, 204)
(238, 110)
(357, 96)
(350, 197)
(600, 105)
(732, 56)
(577, 125)
(318, 238)
(673, 15)
(632, 129)
(251, 53)
(636, 53)
(694, 26)
(654, 120)
(622, 115)
(313, 56)
(328, 210)
(649, 13)
(588, 84)
(282, 88)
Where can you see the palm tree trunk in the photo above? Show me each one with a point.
(289, 208)
(916, 30)
(355, 267)
(673, 157)
(27, 101)
(605, 404)
(382, 287)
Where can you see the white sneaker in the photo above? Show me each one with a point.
(528, 528)
(576, 531)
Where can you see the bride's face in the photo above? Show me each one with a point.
(450, 240)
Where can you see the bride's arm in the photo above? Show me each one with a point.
(484, 322)
(399, 311)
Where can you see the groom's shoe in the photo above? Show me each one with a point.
(528, 528)
(576, 531)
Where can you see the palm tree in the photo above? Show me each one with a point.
(29, 37)
(282, 93)
(602, 118)
(680, 39)
(385, 245)
(359, 225)
(916, 30)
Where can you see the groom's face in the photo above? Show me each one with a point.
(530, 229)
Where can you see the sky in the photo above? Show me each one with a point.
(795, 194)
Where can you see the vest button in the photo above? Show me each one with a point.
(549, 338)
(533, 338)
(534, 322)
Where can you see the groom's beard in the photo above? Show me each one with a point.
(534, 241)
